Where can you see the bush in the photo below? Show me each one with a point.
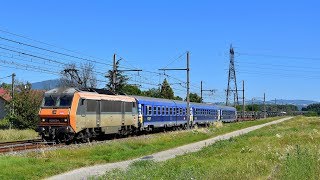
(4, 124)
(26, 103)
(311, 114)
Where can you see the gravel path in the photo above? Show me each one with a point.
(85, 172)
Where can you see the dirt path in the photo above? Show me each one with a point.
(85, 172)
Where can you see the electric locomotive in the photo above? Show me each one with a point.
(68, 114)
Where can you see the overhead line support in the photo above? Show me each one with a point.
(188, 85)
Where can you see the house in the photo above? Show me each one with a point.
(4, 98)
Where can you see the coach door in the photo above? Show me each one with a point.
(98, 113)
(122, 113)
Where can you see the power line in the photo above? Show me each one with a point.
(278, 56)
(51, 51)
(5, 77)
(180, 56)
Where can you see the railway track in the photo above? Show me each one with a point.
(23, 145)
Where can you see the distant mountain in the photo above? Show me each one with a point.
(46, 85)
(299, 103)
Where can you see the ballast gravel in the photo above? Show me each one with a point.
(98, 170)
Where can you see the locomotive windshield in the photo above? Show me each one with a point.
(63, 100)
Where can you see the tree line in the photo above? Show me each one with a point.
(288, 108)
(313, 109)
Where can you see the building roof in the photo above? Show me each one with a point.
(5, 94)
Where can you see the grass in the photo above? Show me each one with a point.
(289, 150)
(15, 135)
(44, 164)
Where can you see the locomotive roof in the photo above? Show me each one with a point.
(62, 90)
(89, 95)
(97, 96)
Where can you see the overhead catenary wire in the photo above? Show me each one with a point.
(278, 56)
(44, 57)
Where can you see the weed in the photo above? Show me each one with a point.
(15, 135)
(301, 164)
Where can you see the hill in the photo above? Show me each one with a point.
(46, 85)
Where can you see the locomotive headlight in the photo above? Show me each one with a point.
(43, 120)
(65, 120)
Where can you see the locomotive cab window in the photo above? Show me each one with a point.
(91, 105)
(66, 100)
(50, 100)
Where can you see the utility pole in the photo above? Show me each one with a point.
(114, 73)
(202, 90)
(12, 95)
(252, 104)
(188, 88)
(232, 77)
(188, 93)
(243, 98)
(264, 106)
(12, 89)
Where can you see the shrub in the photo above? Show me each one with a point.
(4, 124)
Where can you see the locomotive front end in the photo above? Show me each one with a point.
(56, 119)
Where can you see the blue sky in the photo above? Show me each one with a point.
(276, 43)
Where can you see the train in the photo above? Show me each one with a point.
(71, 114)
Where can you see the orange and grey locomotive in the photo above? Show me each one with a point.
(71, 114)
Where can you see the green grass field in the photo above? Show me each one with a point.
(289, 150)
(44, 164)
(15, 135)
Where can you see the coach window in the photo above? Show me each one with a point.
(167, 110)
(177, 111)
(170, 110)
(163, 111)
(154, 110)
(159, 110)
(149, 110)
(174, 111)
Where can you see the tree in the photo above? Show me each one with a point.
(83, 77)
(121, 80)
(166, 91)
(153, 92)
(178, 98)
(131, 90)
(26, 104)
(194, 97)
(87, 75)
(5, 86)
(313, 108)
